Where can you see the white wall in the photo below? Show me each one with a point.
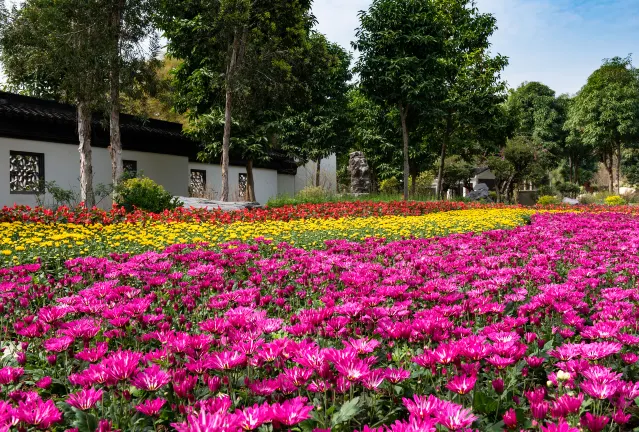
(266, 181)
(286, 184)
(328, 174)
(62, 165)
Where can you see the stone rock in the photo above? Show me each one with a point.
(480, 191)
(360, 173)
(204, 203)
(570, 201)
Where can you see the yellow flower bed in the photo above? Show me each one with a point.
(24, 242)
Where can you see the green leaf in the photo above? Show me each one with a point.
(346, 412)
(482, 403)
(85, 422)
(497, 427)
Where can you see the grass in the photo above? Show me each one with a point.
(326, 197)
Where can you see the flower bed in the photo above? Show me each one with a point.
(54, 243)
(531, 328)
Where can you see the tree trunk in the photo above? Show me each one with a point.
(608, 163)
(619, 168)
(317, 172)
(226, 139)
(402, 113)
(413, 184)
(86, 167)
(445, 142)
(250, 182)
(115, 142)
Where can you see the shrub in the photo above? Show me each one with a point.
(615, 200)
(389, 186)
(546, 190)
(144, 194)
(313, 193)
(569, 189)
(423, 184)
(547, 200)
(587, 199)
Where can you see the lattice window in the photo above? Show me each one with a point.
(130, 167)
(197, 183)
(242, 185)
(26, 172)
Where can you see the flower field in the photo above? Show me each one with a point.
(26, 242)
(484, 319)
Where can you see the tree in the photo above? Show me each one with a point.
(400, 42)
(229, 48)
(535, 112)
(605, 113)
(57, 49)
(128, 25)
(472, 83)
(320, 126)
(456, 171)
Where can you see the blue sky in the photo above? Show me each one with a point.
(557, 42)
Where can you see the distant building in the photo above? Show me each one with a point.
(38, 142)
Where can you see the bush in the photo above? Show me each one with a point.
(144, 194)
(546, 190)
(389, 186)
(587, 199)
(569, 189)
(547, 200)
(423, 184)
(614, 200)
(313, 193)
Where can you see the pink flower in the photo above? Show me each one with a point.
(461, 384)
(594, 423)
(85, 399)
(561, 427)
(93, 354)
(510, 419)
(253, 417)
(121, 365)
(10, 374)
(396, 375)
(599, 390)
(227, 360)
(151, 407)
(151, 379)
(58, 344)
(454, 417)
(422, 406)
(292, 411)
(43, 382)
(36, 412)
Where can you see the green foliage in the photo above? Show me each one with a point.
(569, 189)
(630, 167)
(546, 190)
(423, 184)
(144, 194)
(313, 193)
(614, 200)
(605, 113)
(389, 185)
(456, 171)
(547, 200)
(587, 199)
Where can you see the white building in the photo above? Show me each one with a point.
(38, 143)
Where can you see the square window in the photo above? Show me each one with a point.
(197, 183)
(130, 167)
(26, 172)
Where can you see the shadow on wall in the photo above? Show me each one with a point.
(310, 179)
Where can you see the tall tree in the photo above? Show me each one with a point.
(401, 43)
(320, 126)
(129, 30)
(227, 48)
(537, 113)
(473, 86)
(57, 49)
(606, 113)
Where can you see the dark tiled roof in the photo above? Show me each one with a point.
(44, 120)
